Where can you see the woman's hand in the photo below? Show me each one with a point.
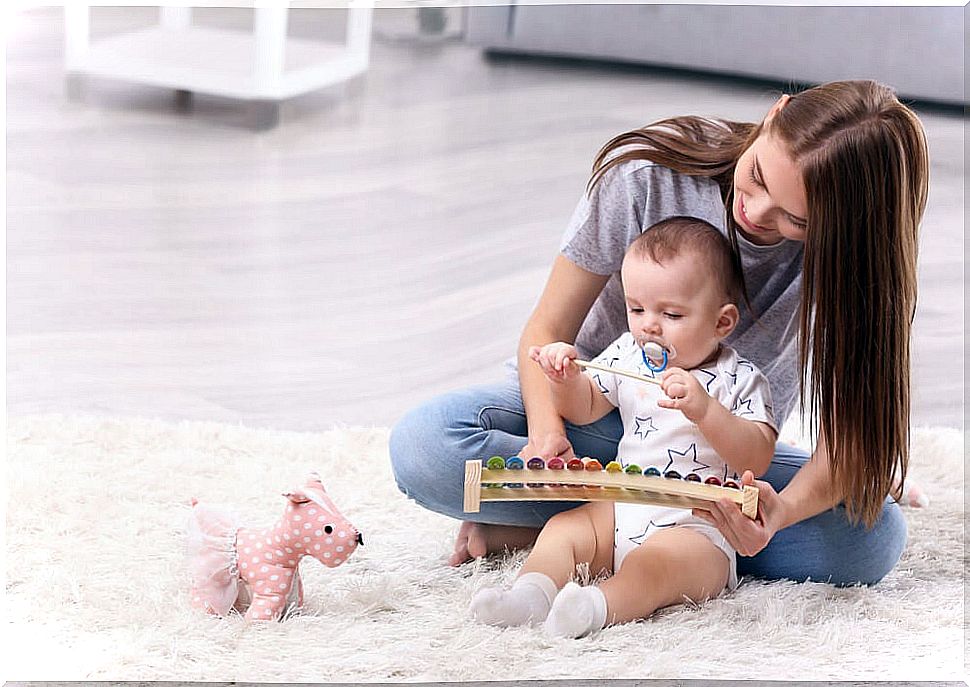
(684, 393)
(747, 536)
(548, 445)
(556, 360)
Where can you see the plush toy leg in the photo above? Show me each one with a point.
(244, 598)
(295, 598)
(266, 607)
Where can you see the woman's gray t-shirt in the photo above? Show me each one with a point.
(637, 194)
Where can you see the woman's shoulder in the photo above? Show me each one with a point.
(652, 178)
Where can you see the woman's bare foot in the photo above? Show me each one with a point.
(476, 540)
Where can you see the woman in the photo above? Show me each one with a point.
(823, 201)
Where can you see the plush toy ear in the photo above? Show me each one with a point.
(296, 496)
(313, 481)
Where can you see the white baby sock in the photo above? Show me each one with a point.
(526, 602)
(577, 611)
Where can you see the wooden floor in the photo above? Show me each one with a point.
(385, 243)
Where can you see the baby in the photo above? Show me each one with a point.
(710, 416)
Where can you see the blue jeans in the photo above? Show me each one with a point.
(430, 444)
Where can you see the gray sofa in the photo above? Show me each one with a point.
(917, 50)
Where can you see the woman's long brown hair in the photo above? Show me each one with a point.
(864, 161)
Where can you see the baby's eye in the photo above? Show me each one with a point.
(673, 315)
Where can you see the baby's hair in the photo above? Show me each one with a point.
(675, 236)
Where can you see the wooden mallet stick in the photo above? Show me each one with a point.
(612, 370)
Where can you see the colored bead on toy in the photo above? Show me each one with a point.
(574, 464)
(633, 469)
(671, 474)
(693, 477)
(731, 484)
(713, 480)
(514, 463)
(496, 463)
(651, 472)
(614, 466)
(556, 463)
(592, 464)
(535, 463)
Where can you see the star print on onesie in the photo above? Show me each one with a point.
(663, 438)
(644, 427)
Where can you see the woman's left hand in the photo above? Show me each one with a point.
(747, 536)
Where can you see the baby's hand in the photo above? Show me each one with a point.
(556, 361)
(684, 393)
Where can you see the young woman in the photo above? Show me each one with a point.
(822, 201)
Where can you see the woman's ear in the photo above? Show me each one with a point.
(727, 320)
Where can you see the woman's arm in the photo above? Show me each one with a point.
(808, 493)
(565, 301)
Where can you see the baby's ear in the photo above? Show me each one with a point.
(727, 320)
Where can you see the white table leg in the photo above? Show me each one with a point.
(270, 34)
(175, 17)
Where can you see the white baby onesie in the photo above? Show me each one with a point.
(665, 439)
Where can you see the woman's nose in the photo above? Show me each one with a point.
(756, 208)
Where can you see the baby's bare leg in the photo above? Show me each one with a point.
(581, 535)
(663, 570)
(673, 564)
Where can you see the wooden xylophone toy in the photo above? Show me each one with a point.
(585, 479)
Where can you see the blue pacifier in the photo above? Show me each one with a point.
(657, 351)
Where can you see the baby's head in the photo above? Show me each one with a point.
(682, 285)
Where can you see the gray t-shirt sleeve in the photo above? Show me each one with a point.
(607, 220)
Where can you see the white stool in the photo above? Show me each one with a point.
(264, 67)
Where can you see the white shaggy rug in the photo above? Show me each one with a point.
(95, 589)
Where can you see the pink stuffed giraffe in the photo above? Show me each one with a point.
(236, 567)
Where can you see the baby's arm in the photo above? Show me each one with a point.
(575, 395)
(743, 444)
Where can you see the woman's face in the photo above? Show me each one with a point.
(769, 193)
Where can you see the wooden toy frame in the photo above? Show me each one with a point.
(583, 485)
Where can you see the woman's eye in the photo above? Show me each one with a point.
(754, 179)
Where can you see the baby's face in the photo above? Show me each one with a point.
(677, 305)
